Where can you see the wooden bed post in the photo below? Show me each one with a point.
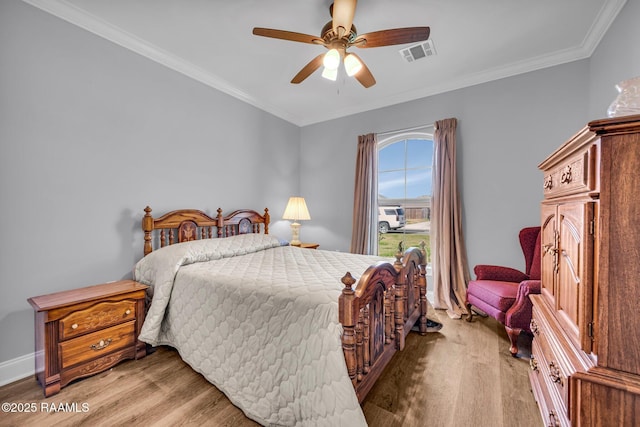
(267, 220)
(147, 227)
(347, 317)
(220, 219)
(388, 319)
(399, 298)
(366, 356)
(359, 345)
(422, 286)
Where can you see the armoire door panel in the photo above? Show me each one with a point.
(549, 252)
(573, 295)
(570, 224)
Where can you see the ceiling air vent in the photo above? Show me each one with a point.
(418, 51)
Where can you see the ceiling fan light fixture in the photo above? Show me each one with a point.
(332, 59)
(352, 64)
(330, 73)
(338, 35)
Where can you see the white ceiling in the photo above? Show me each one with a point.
(476, 41)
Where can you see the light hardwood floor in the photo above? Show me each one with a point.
(462, 375)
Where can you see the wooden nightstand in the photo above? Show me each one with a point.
(309, 245)
(85, 331)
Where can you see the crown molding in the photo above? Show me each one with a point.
(601, 25)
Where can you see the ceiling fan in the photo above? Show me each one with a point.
(338, 35)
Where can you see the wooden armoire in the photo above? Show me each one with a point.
(585, 363)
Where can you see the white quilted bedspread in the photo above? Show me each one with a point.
(260, 322)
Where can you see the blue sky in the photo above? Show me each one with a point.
(404, 169)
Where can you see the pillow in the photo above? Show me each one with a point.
(283, 242)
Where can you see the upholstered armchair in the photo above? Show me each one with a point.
(503, 292)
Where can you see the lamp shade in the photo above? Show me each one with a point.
(352, 64)
(332, 59)
(296, 209)
(330, 74)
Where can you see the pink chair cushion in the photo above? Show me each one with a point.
(497, 294)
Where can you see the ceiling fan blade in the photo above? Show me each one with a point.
(342, 12)
(287, 35)
(392, 37)
(308, 69)
(364, 76)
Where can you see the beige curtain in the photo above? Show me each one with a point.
(364, 234)
(449, 255)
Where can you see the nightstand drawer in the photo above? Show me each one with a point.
(97, 344)
(95, 366)
(96, 317)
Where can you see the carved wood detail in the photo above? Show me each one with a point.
(374, 316)
(192, 224)
(68, 323)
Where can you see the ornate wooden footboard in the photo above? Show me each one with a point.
(378, 314)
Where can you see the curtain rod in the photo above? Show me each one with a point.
(403, 130)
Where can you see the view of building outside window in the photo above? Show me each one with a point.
(404, 193)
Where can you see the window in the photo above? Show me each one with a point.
(405, 164)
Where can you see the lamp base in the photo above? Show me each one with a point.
(295, 234)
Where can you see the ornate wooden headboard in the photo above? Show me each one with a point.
(191, 224)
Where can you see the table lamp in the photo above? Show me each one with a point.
(296, 211)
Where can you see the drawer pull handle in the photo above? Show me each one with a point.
(74, 326)
(534, 327)
(101, 345)
(533, 363)
(128, 312)
(566, 177)
(554, 373)
(549, 249)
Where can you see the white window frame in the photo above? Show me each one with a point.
(391, 138)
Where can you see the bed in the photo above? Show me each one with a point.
(292, 336)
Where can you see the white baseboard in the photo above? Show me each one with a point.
(17, 369)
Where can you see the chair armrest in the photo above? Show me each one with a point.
(519, 315)
(496, 272)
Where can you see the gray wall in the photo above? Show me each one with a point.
(90, 133)
(505, 129)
